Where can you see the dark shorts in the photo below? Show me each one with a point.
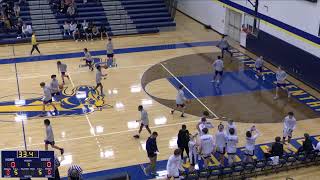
(259, 69)
(63, 73)
(218, 73)
(49, 142)
(55, 94)
(109, 55)
(281, 84)
(181, 105)
(88, 62)
(151, 155)
(47, 102)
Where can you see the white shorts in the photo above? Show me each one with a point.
(287, 132)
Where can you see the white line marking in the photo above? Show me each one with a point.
(216, 117)
(75, 72)
(71, 80)
(106, 134)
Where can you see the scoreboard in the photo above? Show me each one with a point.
(27, 164)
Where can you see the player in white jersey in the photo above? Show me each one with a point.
(50, 138)
(99, 77)
(144, 121)
(193, 152)
(55, 89)
(231, 124)
(174, 165)
(232, 141)
(218, 70)
(289, 124)
(180, 101)
(88, 58)
(62, 68)
(250, 144)
(223, 45)
(221, 143)
(259, 68)
(206, 146)
(281, 77)
(47, 99)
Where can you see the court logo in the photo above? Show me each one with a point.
(80, 100)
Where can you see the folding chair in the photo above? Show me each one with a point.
(204, 173)
(248, 169)
(226, 171)
(238, 169)
(215, 172)
(259, 167)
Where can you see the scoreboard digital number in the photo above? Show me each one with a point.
(27, 164)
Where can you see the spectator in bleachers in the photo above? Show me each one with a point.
(84, 25)
(73, 29)
(71, 12)
(95, 31)
(276, 149)
(66, 29)
(307, 146)
(103, 31)
(88, 31)
(16, 9)
(26, 30)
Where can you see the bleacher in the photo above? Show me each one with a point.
(11, 37)
(241, 170)
(121, 17)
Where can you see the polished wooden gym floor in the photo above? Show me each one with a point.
(103, 139)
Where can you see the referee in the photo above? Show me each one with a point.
(74, 172)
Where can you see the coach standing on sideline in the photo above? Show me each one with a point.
(183, 140)
(56, 170)
(152, 151)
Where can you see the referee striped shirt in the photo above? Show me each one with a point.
(75, 171)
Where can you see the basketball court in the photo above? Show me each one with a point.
(97, 133)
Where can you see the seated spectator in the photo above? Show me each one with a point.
(95, 31)
(71, 11)
(16, 10)
(276, 149)
(25, 31)
(88, 31)
(73, 27)
(84, 25)
(66, 29)
(103, 31)
(307, 146)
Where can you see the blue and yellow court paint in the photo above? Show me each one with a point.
(242, 81)
(137, 173)
(80, 100)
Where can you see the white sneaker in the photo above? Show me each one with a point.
(257, 77)
(289, 95)
(263, 78)
(212, 81)
(275, 97)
